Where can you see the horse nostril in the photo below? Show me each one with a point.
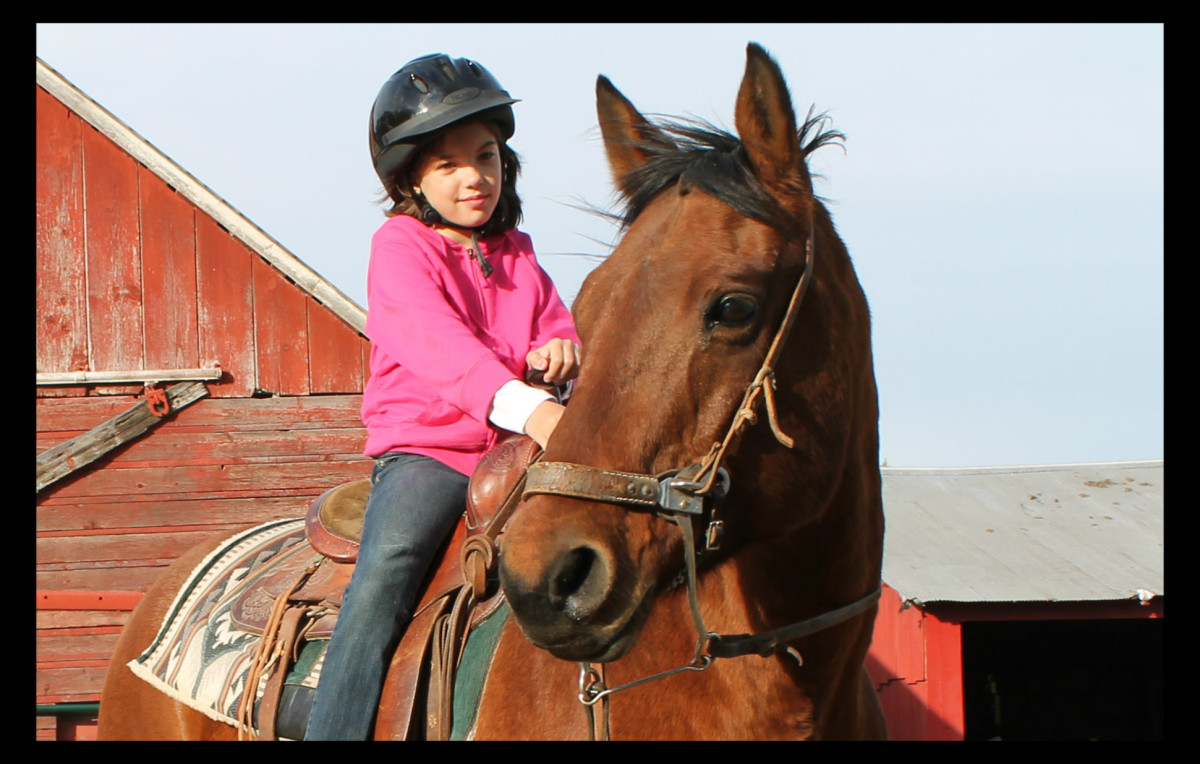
(573, 569)
(575, 581)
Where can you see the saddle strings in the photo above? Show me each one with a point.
(269, 651)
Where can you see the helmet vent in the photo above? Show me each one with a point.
(448, 71)
(419, 83)
(474, 68)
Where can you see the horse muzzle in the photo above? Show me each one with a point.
(571, 582)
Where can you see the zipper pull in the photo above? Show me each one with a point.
(478, 257)
(484, 265)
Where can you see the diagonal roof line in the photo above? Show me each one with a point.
(200, 195)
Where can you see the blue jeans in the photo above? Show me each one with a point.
(414, 505)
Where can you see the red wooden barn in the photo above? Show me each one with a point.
(154, 297)
(1022, 603)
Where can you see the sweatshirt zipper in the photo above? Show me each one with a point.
(485, 268)
(475, 254)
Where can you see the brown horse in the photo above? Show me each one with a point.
(685, 573)
(678, 324)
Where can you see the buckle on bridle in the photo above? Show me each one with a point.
(681, 496)
(676, 494)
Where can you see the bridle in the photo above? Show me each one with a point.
(684, 497)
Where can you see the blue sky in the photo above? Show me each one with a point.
(1001, 189)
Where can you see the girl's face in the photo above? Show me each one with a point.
(460, 175)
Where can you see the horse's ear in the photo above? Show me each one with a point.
(766, 121)
(627, 134)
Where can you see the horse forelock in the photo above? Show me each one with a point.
(715, 161)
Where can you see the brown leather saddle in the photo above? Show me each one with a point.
(298, 601)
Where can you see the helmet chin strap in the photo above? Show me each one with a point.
(431, 217)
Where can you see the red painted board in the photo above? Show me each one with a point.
(114, 263)
(61, 293)
(169, 275)
(281, 331)
(225, 308)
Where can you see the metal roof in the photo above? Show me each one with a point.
(1068, 532)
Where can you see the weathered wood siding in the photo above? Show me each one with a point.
(137, 278)
(132, 275)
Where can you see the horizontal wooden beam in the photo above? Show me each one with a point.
(137, 376)
(50, 599)
(58, 462)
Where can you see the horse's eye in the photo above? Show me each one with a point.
(733, 311)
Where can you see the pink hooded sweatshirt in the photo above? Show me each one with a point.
(444, 339)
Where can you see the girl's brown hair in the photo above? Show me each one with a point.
(508, 210)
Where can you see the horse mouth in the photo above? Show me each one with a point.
(591, 642)
(581, 612)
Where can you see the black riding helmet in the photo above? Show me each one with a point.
(425, 95)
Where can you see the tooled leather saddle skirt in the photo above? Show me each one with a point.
(296, 603)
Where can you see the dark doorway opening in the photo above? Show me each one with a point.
(1063, 680)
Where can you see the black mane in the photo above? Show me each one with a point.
(713, 161)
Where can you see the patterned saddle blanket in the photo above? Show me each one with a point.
(201, 656)
(205, 648)
(205, 651)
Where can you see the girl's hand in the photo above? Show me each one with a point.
(543, 420)
(558, 360)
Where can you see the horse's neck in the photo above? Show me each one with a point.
(780, 581)
(772, 586)
(801, 572)
(787, 699)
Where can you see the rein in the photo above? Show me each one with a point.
(679, 496)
